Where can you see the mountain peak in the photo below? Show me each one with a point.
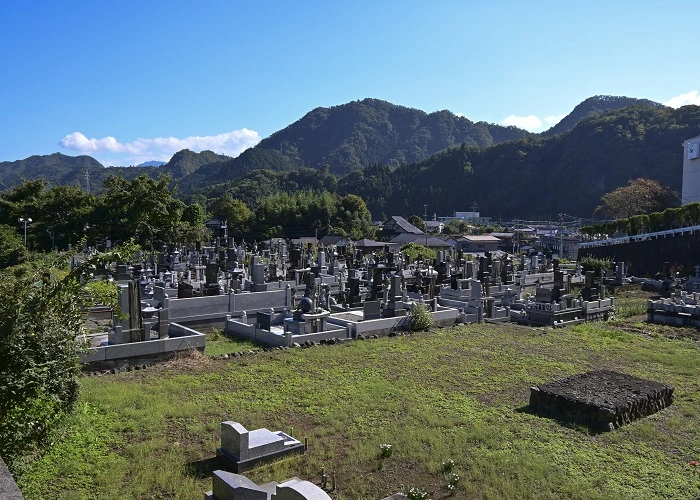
(596, 105)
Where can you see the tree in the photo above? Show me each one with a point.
(414, 250)
(353, 218)
(12, 249)
(192, 227)
(456, 226)
(418, 222)
(41, 325)
(235, 212)
(143, 208)
(639, 196)
(62, 215)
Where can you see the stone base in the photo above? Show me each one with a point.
(236, 465)
(394, 313)
(601, 400)
(564, 317)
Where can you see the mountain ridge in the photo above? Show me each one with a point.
(336, 142)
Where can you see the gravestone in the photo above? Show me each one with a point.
(264, 320)
(372, 309)
(354, 291)
(184, 290)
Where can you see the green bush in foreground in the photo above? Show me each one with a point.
(419, 318)
(40, 319)
(40, 344)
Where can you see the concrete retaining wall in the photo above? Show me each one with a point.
(8, 488)
(210, 312)
(265, 337)
(113, 356)
(444, 316)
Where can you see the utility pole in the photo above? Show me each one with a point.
(561, 236)
(425, 212)
(87, 181)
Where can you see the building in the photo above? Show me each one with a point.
(335, 241)
(507, 241)
(424, 239)
(398, 225)
(691, 171)
(553, 243)
(470, 217)
(434, 226)
(481, 243)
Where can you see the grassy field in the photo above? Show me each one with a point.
(449, 394)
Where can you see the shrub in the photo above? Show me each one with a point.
(419, 318)
(40, 321)
(593, 264)
(41, 327)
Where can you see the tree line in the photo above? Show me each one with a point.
(147, 211)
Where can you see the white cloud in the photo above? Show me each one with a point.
(553, 120)
(530, 122)
(114, 152)
(691, 97)
(462, 115)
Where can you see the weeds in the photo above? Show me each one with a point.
(430, 396)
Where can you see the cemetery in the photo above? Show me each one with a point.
(345, 402)
(281, 294)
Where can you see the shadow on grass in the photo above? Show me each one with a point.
(204, 468)
(577, 426)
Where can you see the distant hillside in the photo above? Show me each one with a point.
(537, 177)
(56, 168)
(378, 145)
(60, 169)
(360, 133)
(186, 162)
(596, 105)
(152, 163)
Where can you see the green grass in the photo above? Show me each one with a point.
(218, 343)
(454, 393)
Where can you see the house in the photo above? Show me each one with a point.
(448, 238)
(340, 243)
(434, 226)
(398, 225)
(481, 243)
(304, 241)
(420, 239)
(507, 241)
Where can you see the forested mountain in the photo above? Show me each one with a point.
(185, 162)
(383, 151)
(60, 169)
(537, 177)
(360, 133)
(351, 136)
(596, 105)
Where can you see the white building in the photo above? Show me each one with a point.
(470, 217)
(691, 171)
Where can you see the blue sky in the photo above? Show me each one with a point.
(126, 82)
